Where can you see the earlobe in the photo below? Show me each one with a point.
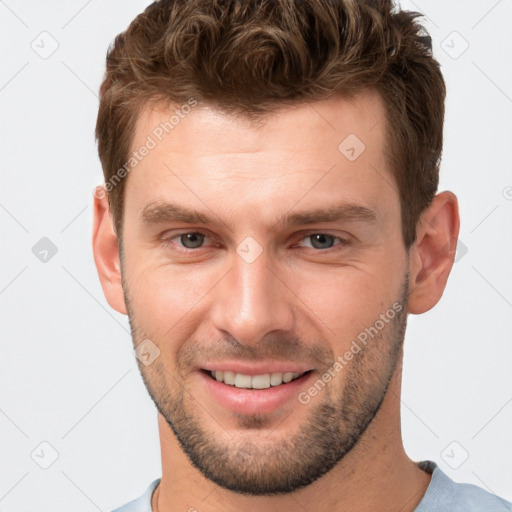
(106, 252)
(432, 255)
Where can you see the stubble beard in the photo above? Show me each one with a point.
(337, 419)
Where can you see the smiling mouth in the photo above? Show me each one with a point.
(263, 381)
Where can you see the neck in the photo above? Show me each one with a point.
(375, 475)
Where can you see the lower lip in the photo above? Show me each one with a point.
(255, 401)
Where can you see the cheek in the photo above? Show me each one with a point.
(345, 301)
(167, 301)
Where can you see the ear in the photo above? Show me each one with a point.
(433, 252)
(106, 251)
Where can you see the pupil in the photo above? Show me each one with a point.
(322, 239)
(192, 240)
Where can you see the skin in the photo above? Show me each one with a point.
(295, 301)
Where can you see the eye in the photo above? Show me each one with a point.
(191, 240)
(188, 240)
(324, 240)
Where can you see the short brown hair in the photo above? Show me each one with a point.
(251, 57)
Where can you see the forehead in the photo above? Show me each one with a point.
(302, 126)
(325, 149)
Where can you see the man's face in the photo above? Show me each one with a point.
(264, 283)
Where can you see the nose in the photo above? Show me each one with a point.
(252, 300)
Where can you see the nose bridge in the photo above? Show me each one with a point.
(252, 301)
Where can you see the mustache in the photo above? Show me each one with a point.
(273, 347)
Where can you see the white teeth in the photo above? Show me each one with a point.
(264, 381)
(242, 381)
(287, 377)
(229, 378)
(276, 379)
(261, 381)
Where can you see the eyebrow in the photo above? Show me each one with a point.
(159, 213)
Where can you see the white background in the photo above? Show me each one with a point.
(67, 371)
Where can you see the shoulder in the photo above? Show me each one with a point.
(142, 503)
(443, 494)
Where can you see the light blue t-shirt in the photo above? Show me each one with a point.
(443, 495)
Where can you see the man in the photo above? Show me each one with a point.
(268, 221)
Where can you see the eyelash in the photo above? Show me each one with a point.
(167, 241)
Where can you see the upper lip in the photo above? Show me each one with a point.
(260, 368)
